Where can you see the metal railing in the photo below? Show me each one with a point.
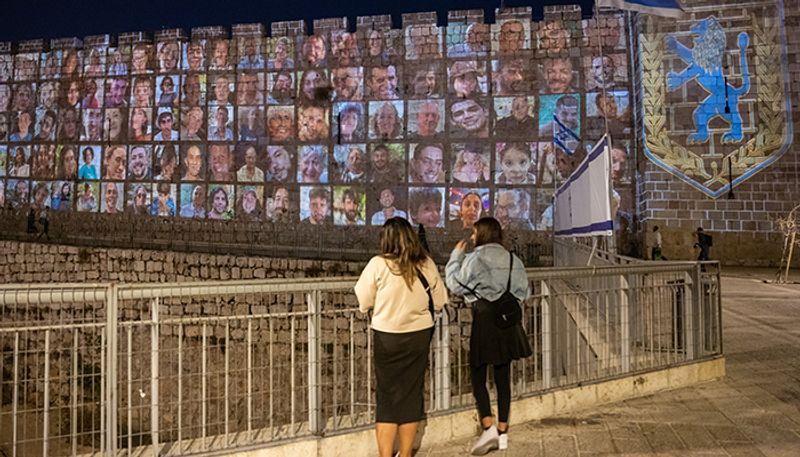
(175, 369)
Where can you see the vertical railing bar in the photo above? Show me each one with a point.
(624, 318)
(46, 411)
(74, 399)
(154, 373)
(203, 381)
(352, 381)
(292, 376)
(369, 368)
(15, 397)
(271, 381)
(180, 388)
(547, 356)
(103, 389)
(249, 374)
(129, 352)
(226, 378)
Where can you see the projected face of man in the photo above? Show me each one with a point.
(380, 159)
(280, 201)
(312, 124)
(558, 75)
(280, 163)
(191, 89)
(427, 119)
(115, 163)
(248, 89)
(383, 82)
(387, 198)
(318, 207)
(193, 163)
(355, 161)
(310, 82)
(250, 159)
(618, 159)
(603, 70)
(222, 90)
(424, 83)
(507, 208)
(511, 77)
(194, 56)
(282, 87)
(47, 95)
(219, 58)
(345, 82)
(350, 207)
(138, 162)
(219, 156)
(512, 37)
(281, 124)
(168, 56)
(427, 165)
(116, 95)
(93, 119)
(468, 115)
(568, 115)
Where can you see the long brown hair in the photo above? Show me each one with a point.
(401, 245)
(488, 230)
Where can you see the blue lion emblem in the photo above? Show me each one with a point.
(705, 65)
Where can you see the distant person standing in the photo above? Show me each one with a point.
(703, 243)
(45, 223)
(31, 226)
(656, 249)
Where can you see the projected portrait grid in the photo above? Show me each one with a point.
(441, 125)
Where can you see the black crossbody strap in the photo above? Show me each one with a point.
(510, 267)
(427, 287)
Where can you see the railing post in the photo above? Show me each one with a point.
(690, 304)
(547, 346)
(314, 371)
(625, 321)
(441, 351)
(112, 313)
(154, 356)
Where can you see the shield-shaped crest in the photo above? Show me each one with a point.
(714, 94)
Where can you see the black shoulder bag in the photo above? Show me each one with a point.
(427, 290)
(507, 309)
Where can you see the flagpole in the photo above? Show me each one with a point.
(611, 240)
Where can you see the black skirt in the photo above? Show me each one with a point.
(400, 361)
(492, 345)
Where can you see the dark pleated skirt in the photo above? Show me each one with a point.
(492, 345)
(400, 361)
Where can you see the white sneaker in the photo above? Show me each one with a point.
(502, 441)
(486, 442)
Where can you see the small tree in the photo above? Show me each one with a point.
(789, 226)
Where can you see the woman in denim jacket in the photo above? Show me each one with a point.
(482, 277)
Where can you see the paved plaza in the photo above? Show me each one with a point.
(753, 411)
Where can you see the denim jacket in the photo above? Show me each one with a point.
(486, 270)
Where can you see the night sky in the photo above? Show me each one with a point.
(28, 19)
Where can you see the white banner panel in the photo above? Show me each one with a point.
(582, 203)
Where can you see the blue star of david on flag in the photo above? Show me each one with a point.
(564, 137)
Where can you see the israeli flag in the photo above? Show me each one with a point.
(665, 8)
(564, 137)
